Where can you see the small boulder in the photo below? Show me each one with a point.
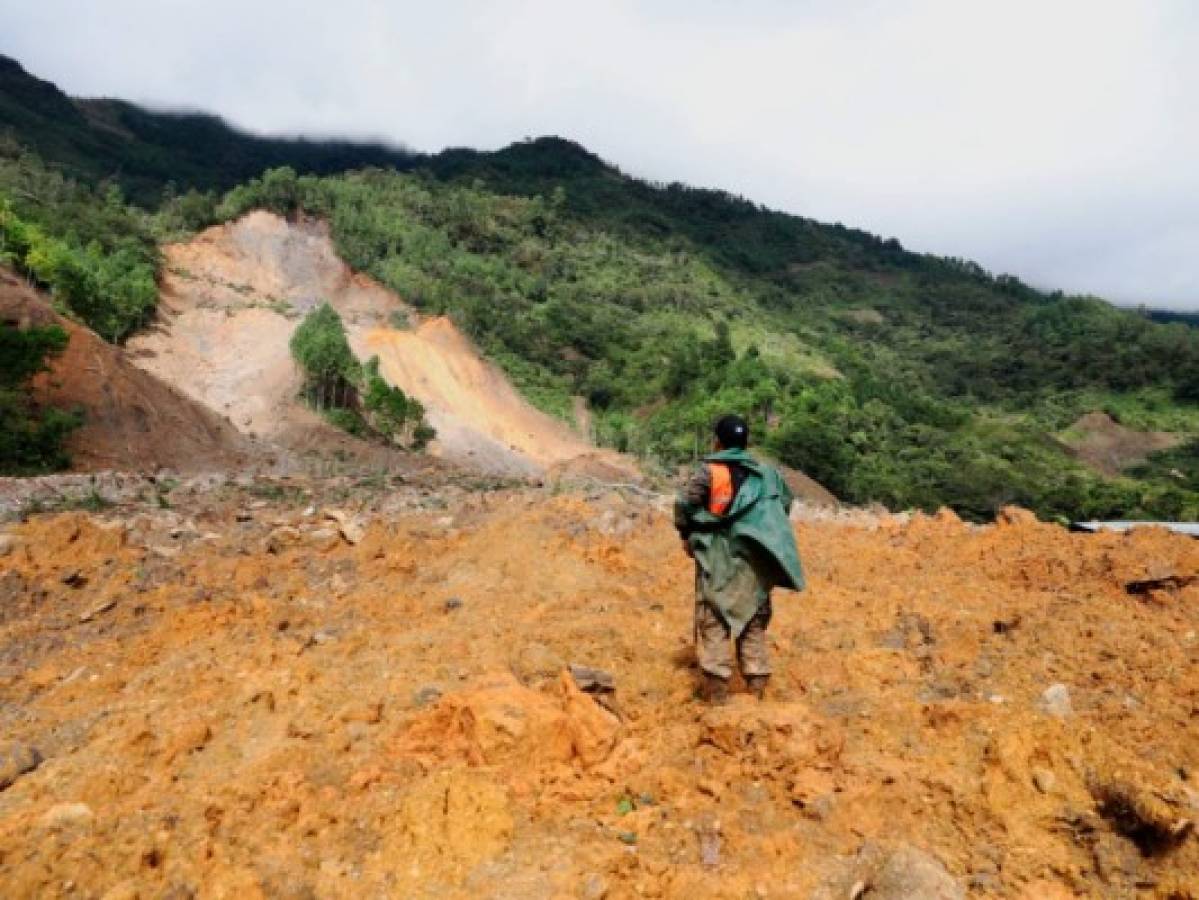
(594, 887)
(281, 538)
(17, 760)
(499, 721)
(1055, 701)
(66, 815)
(593, 681)
(537, 662)
(324, 539)
(351, 527)
(901, 872)
(909, 873)
(74, 578)
(709, 848)
(1044, 780)
(426, 695)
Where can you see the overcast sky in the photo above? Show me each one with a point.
(1054, 139)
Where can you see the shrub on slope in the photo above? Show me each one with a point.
(353, 396)
(31, 439)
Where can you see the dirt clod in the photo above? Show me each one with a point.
(74, 578)
(593, 681)
(1154, 824)
(536, 662)
(68, 815)
(594, 887)
(426, 695)
(1171, 583)
(17, 760)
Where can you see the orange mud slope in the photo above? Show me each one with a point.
(132, 420)
(234, 295)
(476, 411)
(233, 701)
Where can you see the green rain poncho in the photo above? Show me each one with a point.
(753, 536)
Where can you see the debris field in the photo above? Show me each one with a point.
(446, 691)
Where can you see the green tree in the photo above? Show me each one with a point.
(352, 396)
(31, 438)
(330, 370)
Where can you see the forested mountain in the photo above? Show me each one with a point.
(890, 376)
(143, 151)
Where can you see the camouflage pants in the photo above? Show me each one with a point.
(714, 644)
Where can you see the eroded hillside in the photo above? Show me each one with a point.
(296, 689)
(131, 420)
(232, 298)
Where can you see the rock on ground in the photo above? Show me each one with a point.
(17, 760)
(1056, 701)
(899, 873)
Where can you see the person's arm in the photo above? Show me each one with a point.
(692, 497)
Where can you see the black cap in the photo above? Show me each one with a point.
(732, 432)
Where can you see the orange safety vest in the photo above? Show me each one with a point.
(720, 496)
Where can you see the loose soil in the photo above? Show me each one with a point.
(480, 419)
(308, 689)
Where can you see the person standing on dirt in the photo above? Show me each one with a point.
(732, 516)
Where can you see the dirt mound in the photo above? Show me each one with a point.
(132, 420)
(233, 296)
(806, 489)
(599, 465)
(501, 722)
(230, 697)
(1109, 447)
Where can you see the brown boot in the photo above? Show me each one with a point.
(757, 685)
(714, 689)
